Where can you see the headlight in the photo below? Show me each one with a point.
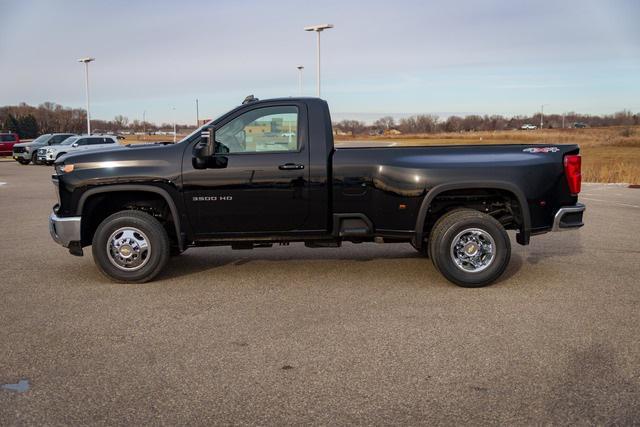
(49, 150)
(27, 149)
(62, 168)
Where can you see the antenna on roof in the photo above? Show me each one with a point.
(250, 99)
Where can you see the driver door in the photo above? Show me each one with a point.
(258, 181)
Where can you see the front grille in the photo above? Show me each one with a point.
(19, 150)
(42, 151)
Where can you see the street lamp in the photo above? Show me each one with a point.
(174, 124)
(542, 115)
(300, 68)
(86, 81)
(318, 29)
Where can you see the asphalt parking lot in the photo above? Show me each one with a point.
(364, 334)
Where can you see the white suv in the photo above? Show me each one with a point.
(76, 144)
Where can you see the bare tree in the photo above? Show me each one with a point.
(385, 123)
(121, 121)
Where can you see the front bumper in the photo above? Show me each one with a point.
(46, 157)
(568, 217)
(64, 230)
(25, 155)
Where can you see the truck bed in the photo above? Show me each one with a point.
(384, 176)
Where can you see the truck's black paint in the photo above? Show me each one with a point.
(356, 194)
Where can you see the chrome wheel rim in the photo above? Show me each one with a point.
(128, 248)
(473, 250)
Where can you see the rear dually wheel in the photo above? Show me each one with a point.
(470, 248)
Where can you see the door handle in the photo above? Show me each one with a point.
(290, 166)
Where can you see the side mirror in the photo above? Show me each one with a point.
(75, 144)
(203, 151)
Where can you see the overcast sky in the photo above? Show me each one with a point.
(490, 56)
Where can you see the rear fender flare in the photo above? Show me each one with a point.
(525, 229)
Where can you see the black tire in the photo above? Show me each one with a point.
(156, 237)
(23, 162)
(454, 223)
(34, 159)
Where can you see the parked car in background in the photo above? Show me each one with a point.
(528, 126)
(76, 144)
(28, 151)
(579, 125)
(7, 141)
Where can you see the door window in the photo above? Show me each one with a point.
(100, 141)
(269, 129)
(57, 139)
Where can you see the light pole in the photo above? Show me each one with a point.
(318, 29)
(144, 124)
(197, 114)
(86, 82)
(542, 115)
(300, 68)
(174, 124)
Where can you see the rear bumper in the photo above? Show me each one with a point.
(65, 230)
(568, 217)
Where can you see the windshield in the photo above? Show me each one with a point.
(69, 141)
(41, 138)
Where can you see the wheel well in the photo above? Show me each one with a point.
(99, 206)
(503, 205)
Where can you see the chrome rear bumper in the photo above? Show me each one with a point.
(568, 217)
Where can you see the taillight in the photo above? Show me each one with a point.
(572, 170)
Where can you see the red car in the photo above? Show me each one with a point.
(6, 143)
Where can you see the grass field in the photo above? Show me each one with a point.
(609, 154)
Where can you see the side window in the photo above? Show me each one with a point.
(83, 141)
(58, 139)
(7, 138)
(109, 141)
(96, 141)
(269, 129)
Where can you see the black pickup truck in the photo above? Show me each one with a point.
(268, 173)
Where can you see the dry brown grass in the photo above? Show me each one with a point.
(137, 139)
(609, 154)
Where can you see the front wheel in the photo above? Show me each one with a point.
(130, 246)
(23, 161)
(34, 159)
(469, 248)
